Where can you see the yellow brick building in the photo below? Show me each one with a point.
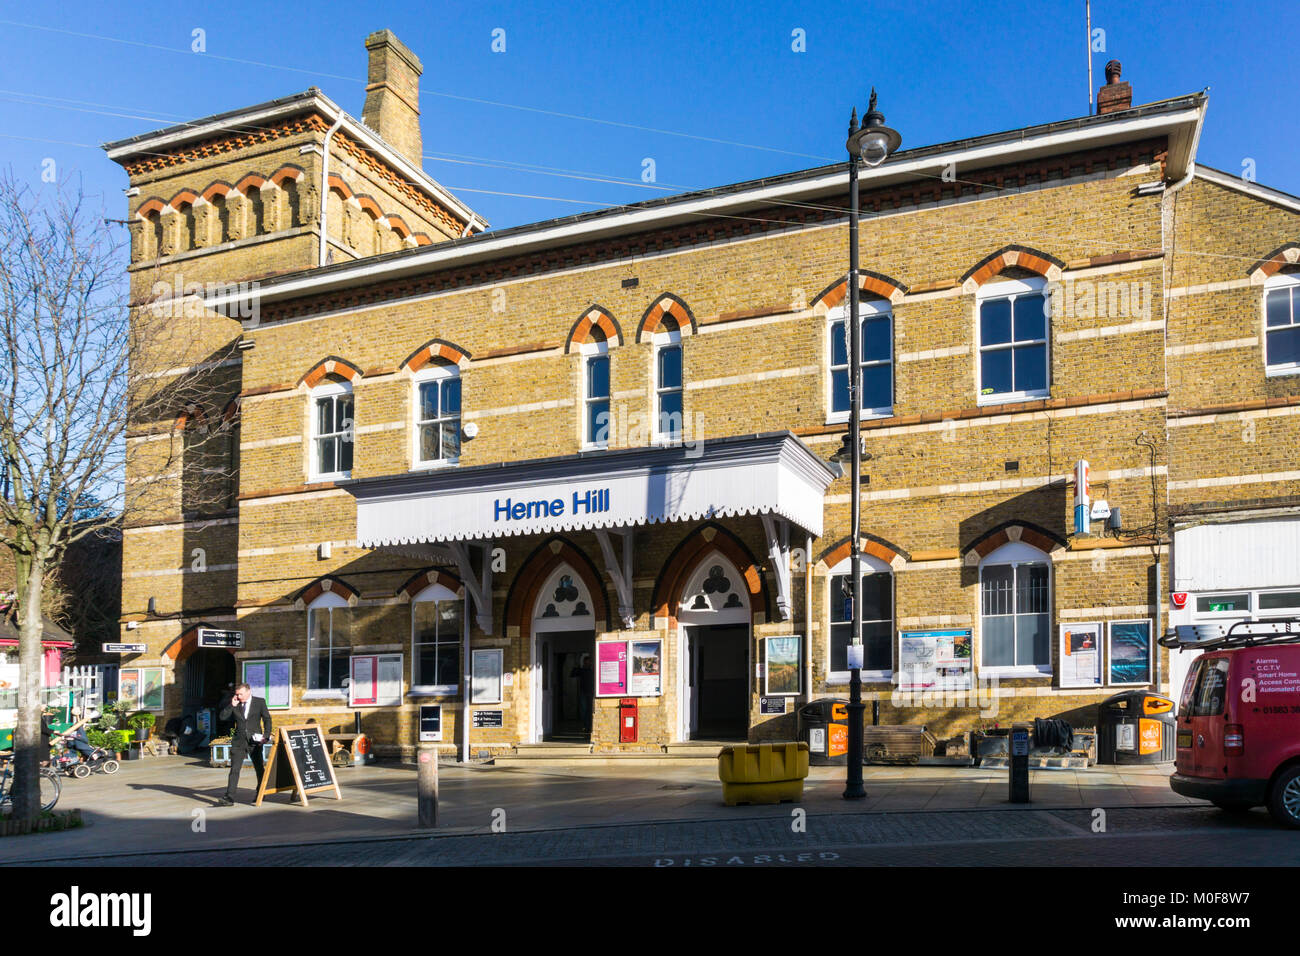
(468, 460)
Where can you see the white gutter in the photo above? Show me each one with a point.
(435, 256)
(325, 190)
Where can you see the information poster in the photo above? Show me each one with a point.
(362, 690)
(783, 671)
(611, 669)
(376, 680)
(1130, 652)
(647, 669)
(1081, 654)
(141, 687)
(485, 676)
(935, 660)
(270, 681)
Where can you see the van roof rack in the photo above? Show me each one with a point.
(1217, 636)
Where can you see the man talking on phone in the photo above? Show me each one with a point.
(252, 729)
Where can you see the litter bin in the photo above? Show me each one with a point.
(824, 727)
(1136, 727)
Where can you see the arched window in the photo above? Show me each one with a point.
(1282, 323)
(877, 619)
(332, 430)
(329, 645)
(668, 381)
(437, 414)
(1014, 358)
(437, 630)
(877, 354)
(595, 390)
(1016, 609)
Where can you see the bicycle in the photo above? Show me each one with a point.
(51, 786)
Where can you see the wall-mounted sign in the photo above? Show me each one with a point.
(430, 723)
(270, 681)
(376, 680)
(783, 671)
(1128, 653)
(488, 718)
(770, 706)
(935, 660)
(647, 669)
(588, 502)
(211, 637)
(485, 676)
(1082, 496)
(1100, 509)
(1081, 654)
(124, 648)
(611, 669)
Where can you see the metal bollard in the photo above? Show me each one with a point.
(427, 787)
(1018, 763)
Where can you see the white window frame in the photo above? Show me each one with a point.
(870, 565)
(590, 352)
(669, 338)
(866, 309)
(1015, 554)
(437, 594)
(327, 600)
(433, 373)
(1011, 289)
(330, 390)
(1289, 281)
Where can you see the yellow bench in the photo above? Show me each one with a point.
(762, 773)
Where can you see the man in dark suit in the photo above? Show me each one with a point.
(252, 729)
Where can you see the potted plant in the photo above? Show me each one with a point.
(142, 724)
(119, 742)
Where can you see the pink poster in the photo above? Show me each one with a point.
(611, 668)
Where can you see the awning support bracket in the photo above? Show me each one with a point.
(777, 531)
(478, 584)
(619, 571)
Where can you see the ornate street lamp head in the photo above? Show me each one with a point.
(874, 141)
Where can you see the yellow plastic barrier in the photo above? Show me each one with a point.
(762, 773)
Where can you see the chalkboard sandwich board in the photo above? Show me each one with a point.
(299, 762)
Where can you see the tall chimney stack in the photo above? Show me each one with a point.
(1115, 95)
(392, 106)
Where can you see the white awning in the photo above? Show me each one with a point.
(773, 474)
(1245, 554)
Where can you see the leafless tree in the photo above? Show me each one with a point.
(91, 386)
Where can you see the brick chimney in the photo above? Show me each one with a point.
(392, 106)
(1115, 95)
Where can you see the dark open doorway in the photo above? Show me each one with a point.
(209, 678)
(568, 685)
(719, 676)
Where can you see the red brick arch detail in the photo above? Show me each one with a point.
(150, 207)
(292, 173)
(333, 365)
(399, 226)
(422, 239)
(876, 547)
(686, 557)
(323, 584)
(1275, 261)
(597, 317)
(434, 350)
(418, 582)
(537, 567)
(1022, 257)
(370, 207)
(872, 284)
(249, 181)
(186, 197)
(991, 540)
(216, 190)
(337, 185)
(667, 304)
(184, 644)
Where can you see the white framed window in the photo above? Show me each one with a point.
(329, 646)
(437, 415)
(876, 344)
(437, 631)
(668, 382)
(1014, 360)
(1282, 324)
(877, 620)
(332, 430)
(595, 392)
(1016, 611)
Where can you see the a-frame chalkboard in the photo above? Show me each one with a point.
(299, 762)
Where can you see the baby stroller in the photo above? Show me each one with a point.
(100, 760)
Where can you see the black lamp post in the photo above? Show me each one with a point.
(870, 144)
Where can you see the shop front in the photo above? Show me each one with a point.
(622, 600)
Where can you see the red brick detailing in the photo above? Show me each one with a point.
(399, 226)
(666, 304)
(1274, 262)
(222, 144)
(330, 366)
(286, 173)
(185, 644)
(150, 207)
(536, 569)
(422, 580)
(186, 197)
(249, 181)
(687, 557)
(321, 585)
(872, 284)
(1031, 259)
(421, 239)
(1030, 535)
(873, 546)
(597, 317)
(215, 190)
(435, 350)
(369, 206)
(337, 185)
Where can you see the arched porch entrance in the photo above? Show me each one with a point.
(715, 649)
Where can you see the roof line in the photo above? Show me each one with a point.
(1249, 187)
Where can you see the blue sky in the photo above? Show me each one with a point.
(943, 70)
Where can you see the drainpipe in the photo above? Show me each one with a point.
(325, 189)
(807, 618)
(464, 687)
(468, 226)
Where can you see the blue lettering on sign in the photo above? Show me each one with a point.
(594, 501)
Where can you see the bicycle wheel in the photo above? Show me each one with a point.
(51, 787)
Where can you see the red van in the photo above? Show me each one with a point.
(1239, 721)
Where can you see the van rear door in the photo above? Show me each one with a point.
(1206, 717)
(1185, 738)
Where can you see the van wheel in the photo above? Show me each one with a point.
(1231, 806)
(1284, 798)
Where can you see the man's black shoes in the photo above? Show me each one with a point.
(225, 802)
